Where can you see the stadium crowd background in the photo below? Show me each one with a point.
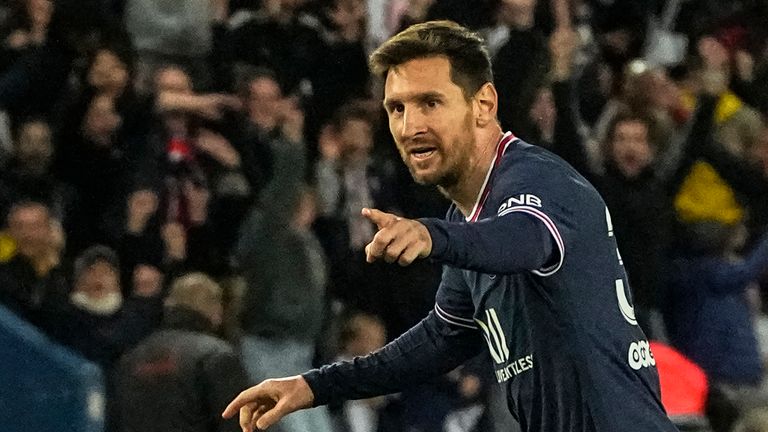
(201, 165)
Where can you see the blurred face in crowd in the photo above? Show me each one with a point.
(97, 289)
(430, 120)
(264, 102)
(34, 149)
(101, 120)
(631, 149)
(30, 226)
(356, 138)
(108, 73)
(173, 79)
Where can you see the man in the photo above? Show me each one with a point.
(182, 367)
(531, 263)
(32, 280)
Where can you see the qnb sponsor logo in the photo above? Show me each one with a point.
(521, 199)
(640, 355)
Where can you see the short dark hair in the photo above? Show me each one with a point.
(246, 74)
(354, 110)
(93, 255)
(627, 115)
(465, 50)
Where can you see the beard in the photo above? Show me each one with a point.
(454, 157)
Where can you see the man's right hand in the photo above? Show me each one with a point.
(263, 405)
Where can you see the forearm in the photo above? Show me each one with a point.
(431, 348)
(502, 245)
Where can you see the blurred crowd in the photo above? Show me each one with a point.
(181, 185)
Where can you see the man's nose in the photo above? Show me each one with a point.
(413, 122)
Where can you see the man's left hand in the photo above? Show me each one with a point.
(398, 240)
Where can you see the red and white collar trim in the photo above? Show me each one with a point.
(501, 148)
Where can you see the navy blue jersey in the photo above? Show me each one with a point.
(563, 338)
(533, 276)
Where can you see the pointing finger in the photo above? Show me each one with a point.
(380, 218)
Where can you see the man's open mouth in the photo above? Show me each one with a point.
(423, 152)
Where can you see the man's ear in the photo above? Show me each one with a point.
(486, 103)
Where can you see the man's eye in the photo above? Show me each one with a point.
(432, 103)
(399, 108)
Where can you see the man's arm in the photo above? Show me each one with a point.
(524, 240)
(429, 349)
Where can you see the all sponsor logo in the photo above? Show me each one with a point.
(640, 355)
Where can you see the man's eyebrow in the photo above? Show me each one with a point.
(389, 104)
(419, 97)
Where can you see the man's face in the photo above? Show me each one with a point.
(98, 281)
(356, 136)
(34, 147)
(30, 226)
(265, 99)
(97, 289)
(631, 151)
(108, 72)
(172, 79)
(430, 120)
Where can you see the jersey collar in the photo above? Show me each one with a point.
(501, 147)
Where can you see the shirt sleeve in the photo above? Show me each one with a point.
(525, 233)
(429, 349)
(453, 302)
(518, 239)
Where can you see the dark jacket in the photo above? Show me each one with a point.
(29, 295)
(178, 379)
(711, 321)
(103, 339)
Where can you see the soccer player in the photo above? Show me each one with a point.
(532, 273)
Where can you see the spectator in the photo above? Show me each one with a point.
(101, 322)
(29, 175)
(27, 29)
(169, 32)
(361, 334)
(33, 280)
(194, 171)
(349, 178)
(277, 37)
(710, 319)
(92, 160)
(182, 372)
(285, 272)
(271, 120)
(515, 80)
(317, 55)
